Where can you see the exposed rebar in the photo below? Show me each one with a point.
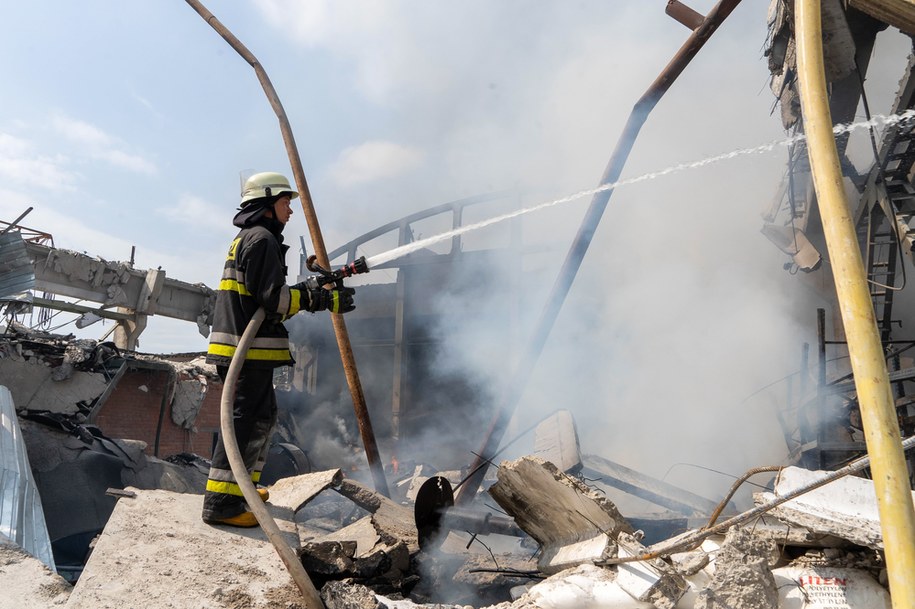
(690, 541)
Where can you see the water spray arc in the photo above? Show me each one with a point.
(413, 246)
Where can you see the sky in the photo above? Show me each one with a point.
(128, 125)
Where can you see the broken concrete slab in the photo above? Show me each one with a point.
(356, 550)
(362, 532)
(27, 582)
(556, 441)
(742, 578)
(30, 378)
(649, 581)
(573, 523)
(782, 533)
(156, 552)
(845, 508)
(392, 521)
(296, 491)
(188, 398)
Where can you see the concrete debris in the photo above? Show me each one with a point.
(845, 508)
(422, 472)
(650, 581)
(27, 582)
(39, 373)
(573, 523)
(326, 560)
(742, 578)
(295, 492)
(556, 441)
(362, 533)
(582, 586)
(156, 552)
(785, 534)
(188, 398)
(356, 551)
(392, 521)
(341, 595)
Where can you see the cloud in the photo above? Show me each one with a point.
(21, 165)
(395, 47)
(374, 160)
(192, 209)
(81, 132)
(131, 162)
(99, 145)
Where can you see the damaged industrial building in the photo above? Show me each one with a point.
(440, 489)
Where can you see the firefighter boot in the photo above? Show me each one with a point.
(245, 520)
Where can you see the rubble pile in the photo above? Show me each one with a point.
(552, 539)
(362, 550)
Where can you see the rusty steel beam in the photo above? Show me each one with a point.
(684, 14)
(317, 239)
(582, 241)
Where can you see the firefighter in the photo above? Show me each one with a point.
(254, 276)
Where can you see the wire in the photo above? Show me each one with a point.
(709, 469)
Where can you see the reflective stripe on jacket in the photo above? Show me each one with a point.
(254, 276)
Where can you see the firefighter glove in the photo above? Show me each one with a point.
(319, 298)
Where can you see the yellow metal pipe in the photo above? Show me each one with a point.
(878, 412)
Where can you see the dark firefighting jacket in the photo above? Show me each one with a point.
(254, 276)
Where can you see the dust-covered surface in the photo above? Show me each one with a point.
(742, 579)
(26, 582)
(156, 552)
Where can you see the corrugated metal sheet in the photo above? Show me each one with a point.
(16, 273)
(21, 515)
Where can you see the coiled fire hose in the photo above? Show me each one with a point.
(243, 478)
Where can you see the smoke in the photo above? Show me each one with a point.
(681, 311)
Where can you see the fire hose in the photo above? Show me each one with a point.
(237, 463)
(243, 478)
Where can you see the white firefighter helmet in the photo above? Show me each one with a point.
(266, 184)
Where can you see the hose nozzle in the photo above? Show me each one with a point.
(356, 267)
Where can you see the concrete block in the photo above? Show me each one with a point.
(556, 441)
(572, 523)
(156, 552)
(30, 382)
(392, 521)
(649, 581)
(294, 492)
(845, 508)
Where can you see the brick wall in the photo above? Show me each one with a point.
(133, 409)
